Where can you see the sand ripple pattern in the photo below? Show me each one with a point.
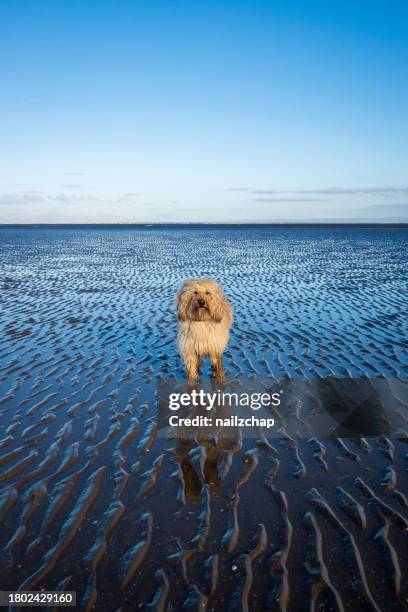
(92, 500)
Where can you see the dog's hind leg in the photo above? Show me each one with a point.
(217, 368)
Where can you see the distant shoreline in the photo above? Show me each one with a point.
(286, 225)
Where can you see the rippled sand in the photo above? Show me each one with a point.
(92, 500)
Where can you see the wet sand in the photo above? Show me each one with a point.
(92, 500)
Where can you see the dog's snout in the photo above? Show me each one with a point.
(201, 302)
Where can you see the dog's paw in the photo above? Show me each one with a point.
(221, 379)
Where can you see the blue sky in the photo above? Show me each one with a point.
(115, 111)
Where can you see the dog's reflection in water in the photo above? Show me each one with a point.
(204, 455)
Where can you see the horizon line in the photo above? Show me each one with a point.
(363, 224)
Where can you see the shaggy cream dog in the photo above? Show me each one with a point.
(205, 318)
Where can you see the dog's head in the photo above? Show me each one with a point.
(201, 299)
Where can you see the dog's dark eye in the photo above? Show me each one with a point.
(196, 292)
(207, 293)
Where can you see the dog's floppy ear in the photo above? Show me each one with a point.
(182, 304)
(218, 309)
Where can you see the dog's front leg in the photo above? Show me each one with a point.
(217, 368)
(192, 367)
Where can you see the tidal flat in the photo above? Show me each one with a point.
(92, 500)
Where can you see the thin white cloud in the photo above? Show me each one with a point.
(17, 199)
(383, 191)
(286, 200)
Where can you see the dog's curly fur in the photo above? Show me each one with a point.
(205, 318)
